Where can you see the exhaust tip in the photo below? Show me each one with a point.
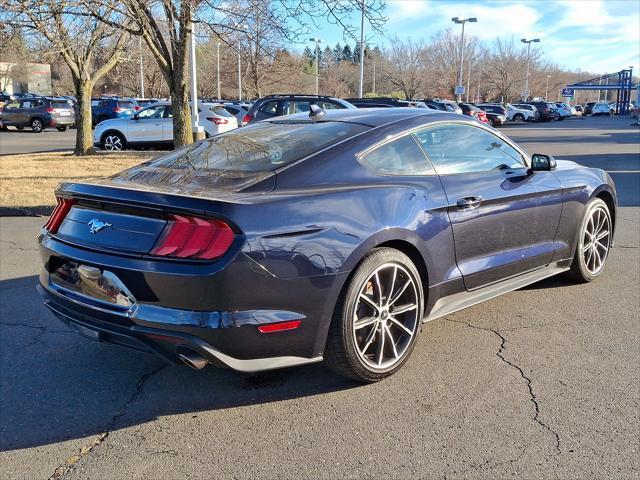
(192, 359)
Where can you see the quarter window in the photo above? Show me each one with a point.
(458, 148)
(398, 157)
(270, 108)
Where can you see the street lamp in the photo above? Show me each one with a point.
(318, 42)
(526, 85)
(242, 28)
(218, 68)
(546, 92)
(361, 84)
(141, 69)
(198, 131)
(462, 21)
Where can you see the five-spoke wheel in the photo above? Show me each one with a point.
(594, 242)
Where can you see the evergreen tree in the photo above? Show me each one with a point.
(337, 53)
(309, 55)
(327, 57)
(347, 55)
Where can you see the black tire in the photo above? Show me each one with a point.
(61, 129)
(492, 123)
(556, 116)
(113, 142)
(19, 127)
(342, 355)
(518, 117)
(580, 267)
(36, 125)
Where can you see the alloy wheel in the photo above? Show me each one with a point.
(36, 126)
(386, 316)
(596, 240)
(113, 143)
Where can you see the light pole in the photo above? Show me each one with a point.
(318, 42)
(141, 69)
(373, 87)
(526, 84)
(198, 131)
(241, 28)
(546, 92)
(462, 21)
(361, 84)
(218, 68)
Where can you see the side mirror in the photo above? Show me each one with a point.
(542, 163)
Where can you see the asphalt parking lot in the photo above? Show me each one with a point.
(543, 382)
(13, 141)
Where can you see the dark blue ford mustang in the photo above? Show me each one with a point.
(333, 237)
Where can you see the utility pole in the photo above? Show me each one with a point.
(318, 42)
(526, 85)
(468, 81)
(461, 66)
(141, 68)
(218, 68)
(546, 92)
(374, 74)
(360, 85)
(241, 28)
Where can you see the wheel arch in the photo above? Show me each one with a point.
(607, 197)
(112, 130)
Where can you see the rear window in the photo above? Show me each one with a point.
(60, 104)
(220, 111)
(123, 104)
(260, 147)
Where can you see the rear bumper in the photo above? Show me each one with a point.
(115, 329)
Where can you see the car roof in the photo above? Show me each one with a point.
(373, 117)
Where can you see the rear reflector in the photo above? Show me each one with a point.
(279, 327)
(58, 214)
(191, 237)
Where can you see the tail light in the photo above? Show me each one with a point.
(58, 214)
(137, 107)
(49, 110)
(118, 109)
(192, 237)
(247, 118)
(218, 120)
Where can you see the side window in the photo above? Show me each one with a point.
(295, 106)
(398, 157)
(12, 105)
(26, 104)
(270, 108)
(328, 105)
(458, 148)
(231, 110)
(168, 111)
(37, 104)
(152, 112)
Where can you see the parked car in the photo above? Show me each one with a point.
(153, 127)
(5, 98)
(215, 118)
(144, 102)
(38, 113)
(473, 111)
(579, 110)
(237, 110)
(588, 108)
(496, 115)
(444, 105)
(111, 107)
(273, 106)
(564, 110)
(601, 108)
(384, 102)
(293, 241)
(546, 111)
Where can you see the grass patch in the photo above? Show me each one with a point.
(27, 182)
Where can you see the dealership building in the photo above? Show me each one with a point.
(25, 78)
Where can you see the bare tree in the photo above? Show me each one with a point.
(64, 28)
(405, 68)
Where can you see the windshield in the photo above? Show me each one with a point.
(261, 147)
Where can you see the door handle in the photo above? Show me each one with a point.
(469, 203)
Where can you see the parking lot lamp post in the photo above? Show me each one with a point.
(526, 82)
(373, 87)
(198, 131)
(241, 28)
(462, 21)
(546, 92)
(361, 84)
(218, 68)
(141, 69)
(317, 42)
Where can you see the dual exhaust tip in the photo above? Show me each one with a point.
(192, 359)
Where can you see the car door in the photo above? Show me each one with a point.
(504, 217)
(167, 124)
(11, 113)
(146, 126)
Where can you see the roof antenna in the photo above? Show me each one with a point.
(316, 112)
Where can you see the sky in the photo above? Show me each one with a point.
(600, 36)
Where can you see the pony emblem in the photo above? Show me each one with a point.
(95, 225)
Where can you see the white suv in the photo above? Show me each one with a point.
(601, 108)
(521, 113)
(153, 127)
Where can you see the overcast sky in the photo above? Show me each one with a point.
(592, 35)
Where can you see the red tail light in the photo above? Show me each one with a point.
(246, 119)
(191, 237)
(218, 120)
(118, 109)
(49, 110)
(279, 327)
(58, 214)
(482, 117)
(137, 107)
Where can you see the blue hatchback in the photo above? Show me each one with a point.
(330, 236)
(106, 108)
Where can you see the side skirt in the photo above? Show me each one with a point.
(458, 301)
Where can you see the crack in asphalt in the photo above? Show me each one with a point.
(66, 467)
(532, 396)
(41, 331)
(15, 246)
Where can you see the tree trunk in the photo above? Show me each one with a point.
(182, 134)
(84, 135)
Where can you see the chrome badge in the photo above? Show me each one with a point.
(95, 225)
